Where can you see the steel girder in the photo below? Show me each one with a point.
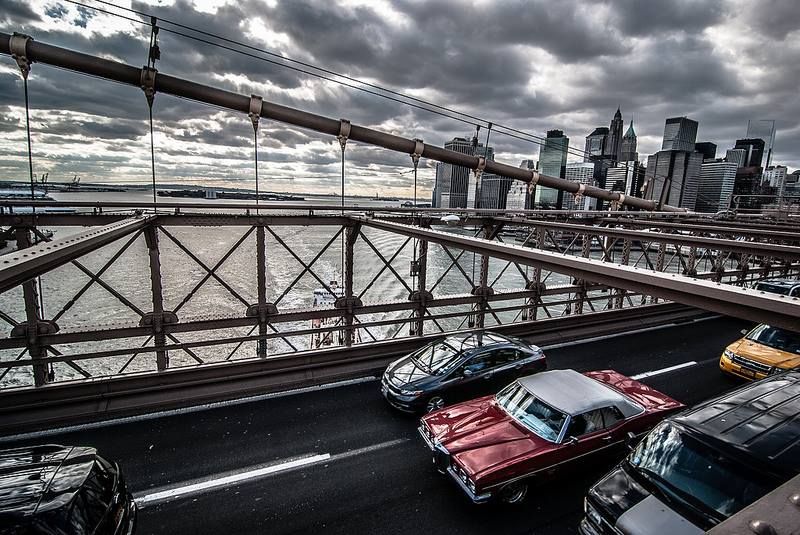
(29, 263)
(785, 252)
(721, 298)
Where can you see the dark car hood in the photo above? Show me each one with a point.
(482, 436)
(633, 509)
(40, 478)
(405, 372)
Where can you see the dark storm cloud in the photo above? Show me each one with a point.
(776, 17)
(16, 11)
(534, 65)
(666, 16)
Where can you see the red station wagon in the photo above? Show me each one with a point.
(493, 446)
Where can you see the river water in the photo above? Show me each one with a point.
(129, 275)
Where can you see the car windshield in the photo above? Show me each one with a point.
(533, 413)
(776, 338)
(696, 475)
(435, 358)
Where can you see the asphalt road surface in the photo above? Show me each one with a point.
(339, 460)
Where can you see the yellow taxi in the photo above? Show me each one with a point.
(763, 351)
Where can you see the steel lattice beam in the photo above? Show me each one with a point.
(725, 299)
(29, 263)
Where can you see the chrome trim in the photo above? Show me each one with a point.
(750, 364)
(424, 436)
(476, 498)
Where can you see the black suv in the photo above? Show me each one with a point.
(49, 490)
(697, 468)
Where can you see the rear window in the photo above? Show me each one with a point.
(773, 288)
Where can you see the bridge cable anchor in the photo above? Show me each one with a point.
(18, 45)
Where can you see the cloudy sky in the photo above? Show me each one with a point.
(529, 64)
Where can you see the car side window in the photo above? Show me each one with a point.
(479, 363)
(588, 422)
(506, 355)
(611, 416)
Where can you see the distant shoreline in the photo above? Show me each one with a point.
(89, 187)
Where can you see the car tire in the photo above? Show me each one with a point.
(434, 403)
(513, 493)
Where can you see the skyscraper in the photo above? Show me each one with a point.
(717, 178)
(582, 173)
(475, 181)
(680, 133)
(628, 149)
(518, 197)
(596, 143)
(627, 178)
(614, 141)
(707, 149)
(754, 151)
(455, 184)
(552, 162)
(763, 129)
(673, 173)
(737, 156)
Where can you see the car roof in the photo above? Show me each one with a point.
(573, 393)
(30, 479)
(777, 283)
(761, 420)
(469, 341)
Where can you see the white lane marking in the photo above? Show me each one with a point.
(147, 500)
(664, 370)
(150, 499)
(182, 410)
(625, 333)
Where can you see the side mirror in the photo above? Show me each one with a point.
(744, 331)
(468, 372)
(571, 440)
(630, 440)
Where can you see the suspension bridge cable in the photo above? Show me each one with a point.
(426, 105)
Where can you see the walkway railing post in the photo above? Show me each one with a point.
(422, 293)
(261, 266)
(351, 235)
(157, 316)
(33, 316)
(626, 257)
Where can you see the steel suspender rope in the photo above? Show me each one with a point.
(255, 115)
(18, 45)
(344, 133)
(148, 80)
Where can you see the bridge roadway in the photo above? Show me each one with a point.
(378, 477)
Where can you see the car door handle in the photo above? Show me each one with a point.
(488, 376)
(518, 367)
(607, 438)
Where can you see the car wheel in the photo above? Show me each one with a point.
(514, 493)
(435, 403)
